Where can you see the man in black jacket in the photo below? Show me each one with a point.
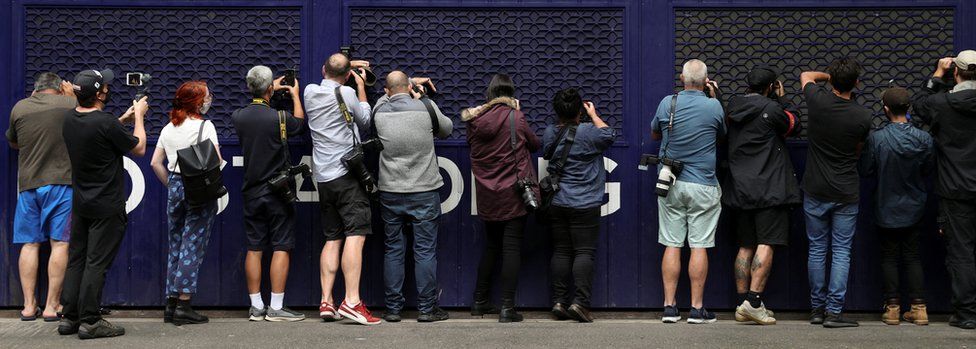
(952, 117)
(761, 185)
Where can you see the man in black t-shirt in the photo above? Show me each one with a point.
(837, 128)
(96, 142)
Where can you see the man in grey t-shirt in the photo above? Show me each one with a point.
(408, 182)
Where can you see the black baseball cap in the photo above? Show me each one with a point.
(89, 82)
(760, 77)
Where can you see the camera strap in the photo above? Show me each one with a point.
(556, 167)
(434, 123)
(283, 129)
(346, 116)
(513, 140)
(674, 105)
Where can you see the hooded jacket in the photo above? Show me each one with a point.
(952, 117)
(901, 155)
(495, 165)
(760, 170)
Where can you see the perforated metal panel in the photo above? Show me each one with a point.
(174, 45)
(891, 44)
(544, 50)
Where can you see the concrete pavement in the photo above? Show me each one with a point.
(463, 331)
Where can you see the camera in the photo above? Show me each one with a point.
(289, 79)
(368, 77)
(524, 186)
(425, 89)
(139, 80)
(281, 183)
(355, 163)
(670, 169)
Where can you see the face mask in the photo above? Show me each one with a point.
(108, 97)
(205, 107)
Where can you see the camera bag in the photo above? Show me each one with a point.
(549, 186)
(200, 170)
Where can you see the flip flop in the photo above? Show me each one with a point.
(32, 317)
(54, 318)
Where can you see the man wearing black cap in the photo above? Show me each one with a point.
(952, 117)
(96, 142)
(761, 185)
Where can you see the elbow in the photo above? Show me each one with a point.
(139, 151)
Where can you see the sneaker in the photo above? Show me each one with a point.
(742, 318)
(835, 320)
(257, 314)
(758, 315)
(359, 314)
(436, 314)
(99, 329)
(283, 315)
(701, 316)
(391, 317)
(328, 312)
(68, 326)
(671, 314)
(817, 316)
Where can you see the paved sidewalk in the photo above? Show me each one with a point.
(466, 332)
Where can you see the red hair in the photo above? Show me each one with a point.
(187, 102)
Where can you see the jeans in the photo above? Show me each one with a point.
(189, 233)
(504, 239)
(900, 246)
(959, 228)
(574, 239)
(830, 226)
(94, 244)
(421, 212)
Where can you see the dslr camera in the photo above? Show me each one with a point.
(281, 183)
(670, 169)
(524, 187)
(355, 162)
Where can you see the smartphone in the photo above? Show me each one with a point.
(133, 79)
(289, 77)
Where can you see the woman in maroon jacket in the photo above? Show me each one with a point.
(497, 166)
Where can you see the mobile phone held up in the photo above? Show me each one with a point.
(289, 77)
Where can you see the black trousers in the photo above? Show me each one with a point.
(899, 247)
(960, 237)
(504, 240)
(91, 250)
(574, 239)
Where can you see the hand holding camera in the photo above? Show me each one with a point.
(67, 89)
(945, 65)
(711, 89)
(279, 85)
(590, 109)
(778, 87)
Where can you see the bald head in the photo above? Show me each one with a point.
(336, 67)
(397, 82)
(694, 73)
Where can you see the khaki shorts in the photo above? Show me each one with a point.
(689, 212)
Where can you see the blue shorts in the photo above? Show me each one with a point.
(42, 214)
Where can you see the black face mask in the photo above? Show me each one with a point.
(108, 97)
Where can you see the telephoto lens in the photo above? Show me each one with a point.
(664, 181)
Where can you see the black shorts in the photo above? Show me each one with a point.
(345, 208)
(766, 226)
(269, 221)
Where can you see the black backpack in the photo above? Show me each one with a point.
(200, 170)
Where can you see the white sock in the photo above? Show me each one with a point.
(277, 300)
(256, 300)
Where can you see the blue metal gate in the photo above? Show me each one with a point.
(623, 53)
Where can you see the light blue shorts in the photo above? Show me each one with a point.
(42, 214)
(689, 212)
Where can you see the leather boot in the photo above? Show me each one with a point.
(170, 308)
(892, 312)
(185, 314)
(482, 305)
(509, 315)
(919, 315)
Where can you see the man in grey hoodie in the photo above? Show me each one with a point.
(406, 123)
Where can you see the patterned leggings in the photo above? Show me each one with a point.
(189, 232)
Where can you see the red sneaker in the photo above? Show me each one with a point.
(359, 314)
(328, 312)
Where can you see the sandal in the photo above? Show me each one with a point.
(32, 317)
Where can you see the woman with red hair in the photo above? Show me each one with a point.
(189, 227)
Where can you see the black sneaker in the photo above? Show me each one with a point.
(671, 314)
(833, 320)
(100, 329)
(391, 317)
(68, 326)
(963, 324)
(701, 316)
(817, 316)
(436, 314)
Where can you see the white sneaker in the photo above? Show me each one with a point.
(758, 315)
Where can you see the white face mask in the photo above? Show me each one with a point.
(205, 107)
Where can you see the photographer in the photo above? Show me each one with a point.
(408, 183)
(689, 125)
(837, 128)
(576, 148)
(503, 174)
(269, 216)
(761, 186)
(44, 185)
(337, 113)
(952, 117)
(96, 142)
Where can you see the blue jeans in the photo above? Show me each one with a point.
(420, 211)
(830, 226)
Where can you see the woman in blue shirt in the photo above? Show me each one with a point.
(574, 215)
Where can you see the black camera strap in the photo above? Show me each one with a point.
(556, 166)
(434, 123)
(674, 104)
(513, 140)
(283, 128)
(344, 110)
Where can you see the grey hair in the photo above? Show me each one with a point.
(259, 79)
(47, 81)
(694, 73)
